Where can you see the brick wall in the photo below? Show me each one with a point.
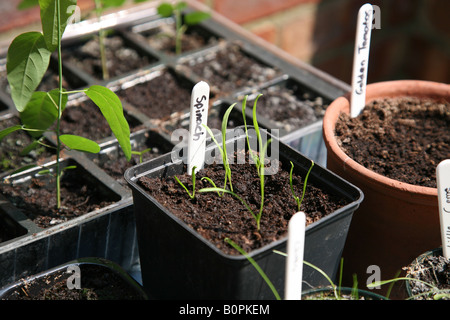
(413, 41)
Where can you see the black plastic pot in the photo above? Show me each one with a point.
(107, 232)
(327, 293)
(177, 263)
(105, 280)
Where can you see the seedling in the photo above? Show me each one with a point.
(141, 154)
(27, 60)
(167, 10)
(297, 199)
(191, 195)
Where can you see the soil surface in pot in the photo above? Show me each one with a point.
(120, 57)
(13, 144)
(160, 98)
(217, 217)
(228, 68)
(163, 39)
(85, 119)
(329, 295)
(97, 283)
(434, 270)
(289, 108)
(37, 198)
(403, 139)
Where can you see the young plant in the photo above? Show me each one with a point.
(167, 10)
(191, 195)
(141, 154)
(28, 59)
(297, 199)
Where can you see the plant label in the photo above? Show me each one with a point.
(443, 189)
(197, 132)
(361, 59)
(294, 263)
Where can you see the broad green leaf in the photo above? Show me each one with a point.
(26, 63)
(111, 108)
(80, 143)
(41, 111)
(165, 9)
(5, 132)
(112, 3)
(196, 17)
(25, 4)
(49, 19)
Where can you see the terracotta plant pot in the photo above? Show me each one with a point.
(396, 219)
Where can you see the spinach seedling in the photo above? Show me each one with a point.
(191, 195)
(167, 10)
(297, 199)
(28, 59)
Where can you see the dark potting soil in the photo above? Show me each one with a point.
(403, 139)
(434, 270)
(120, 58)
(289, 108)
(37, 198)
(85, 119)
(13, 144)
(160, 97)
(96, 284)
(163, 39)
(217, 217)
(228, 69)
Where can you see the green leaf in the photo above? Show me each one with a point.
(196, 17)
(180, 5)
(25, 4)
(80, 143)
(165, 10)
(49, 19)
(26, 63)
(111, 108)
(41, 111)
(112, 3)
(5, 132)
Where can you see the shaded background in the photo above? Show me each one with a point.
(412, 43)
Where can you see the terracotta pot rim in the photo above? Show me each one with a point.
(396, 88)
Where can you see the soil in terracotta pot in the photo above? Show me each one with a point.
(289, 107)
(433, 270)
(85, 119)
(229, 68)
(37, 198)
(161, 97)
(121, 58)
(403, 139)
(217, 217)
(163, 39)
(13, 144)
(96, 284)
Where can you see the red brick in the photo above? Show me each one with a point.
(242, 11)
(267, 31)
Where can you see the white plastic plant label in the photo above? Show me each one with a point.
(443, 189)
(361, 59)
(197, 132)
(294, 263)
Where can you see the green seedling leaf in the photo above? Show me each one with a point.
(5, 132)
(180, 5)
(42, 111)
(112, 3)
(165, 10)
(49, 19)
(26, 63)
(24, 168)
(26, 4)
(111, 108)
(193, 18)
(80, 143)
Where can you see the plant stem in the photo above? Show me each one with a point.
(58, 122)
(101, 40)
